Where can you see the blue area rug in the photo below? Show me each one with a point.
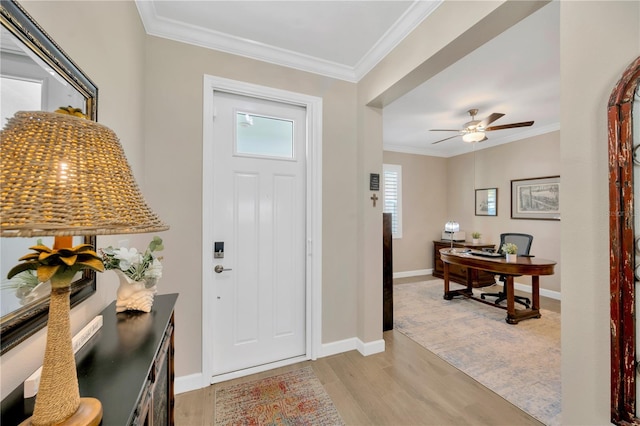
(519, 362)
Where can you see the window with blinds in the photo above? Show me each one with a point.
(392, 194)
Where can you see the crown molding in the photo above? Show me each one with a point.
(412, 17)
(178, 31)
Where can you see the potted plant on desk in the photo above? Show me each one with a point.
(476, 237)
(511, 251)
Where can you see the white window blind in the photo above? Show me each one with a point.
(392, 193)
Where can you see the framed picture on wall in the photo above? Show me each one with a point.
(487, 202)
(536, 198)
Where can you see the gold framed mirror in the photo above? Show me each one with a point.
(36, 75)
(624, 243)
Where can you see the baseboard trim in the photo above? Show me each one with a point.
(406, 274)
(370, 348)
(338, 347)
(352, 344)
(189, 383)
(543, 291)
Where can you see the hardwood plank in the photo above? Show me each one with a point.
(405, 385)
(192, 407)
(347, 406)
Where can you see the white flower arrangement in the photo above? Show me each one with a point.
(137, 266)
(509, 248)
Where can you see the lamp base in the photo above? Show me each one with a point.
(89, 413)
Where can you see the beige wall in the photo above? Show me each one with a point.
(592, 61)
(151, 90)
(173, 146)
(436, 190)
(424, 209)
(452, 31)
(538, 156)
(598, 40)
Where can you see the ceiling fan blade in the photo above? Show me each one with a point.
(490, 119)
(444, 130)
(445, 139)
(509, 126)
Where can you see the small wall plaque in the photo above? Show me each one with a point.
(374, 182)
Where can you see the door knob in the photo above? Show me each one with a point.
(220, 268)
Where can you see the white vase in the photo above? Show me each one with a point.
(133, 295)
(512, 257)
(476, 241)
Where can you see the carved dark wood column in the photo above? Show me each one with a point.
(622, 248)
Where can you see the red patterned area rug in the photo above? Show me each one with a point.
(293, 398)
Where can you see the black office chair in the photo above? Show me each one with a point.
(523, 241)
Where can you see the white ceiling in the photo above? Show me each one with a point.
(516, 73)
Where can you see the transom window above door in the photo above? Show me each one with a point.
(261, 136)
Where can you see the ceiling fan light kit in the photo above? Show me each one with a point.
(474, 130)
(473, 137)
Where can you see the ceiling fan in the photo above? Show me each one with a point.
(474, 130)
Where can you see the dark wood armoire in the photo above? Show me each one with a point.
(387, 273)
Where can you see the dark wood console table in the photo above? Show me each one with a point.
(523, 266)
(127, 365)
(458, 273)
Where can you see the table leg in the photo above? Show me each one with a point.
(470, 281)
(535, 292)
(450, 294)
(447, 296)
(511, 305)
(514, 315)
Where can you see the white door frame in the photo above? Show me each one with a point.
(313, 307)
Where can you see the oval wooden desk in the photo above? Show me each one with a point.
(523, 266)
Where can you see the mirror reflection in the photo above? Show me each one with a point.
(35, 75)
(24, 289)
(27, 84)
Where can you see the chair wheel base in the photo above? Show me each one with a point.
(501, 298)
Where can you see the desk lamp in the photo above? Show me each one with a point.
(62, 175)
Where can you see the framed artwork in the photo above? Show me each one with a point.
(536, 198)
(487, 202)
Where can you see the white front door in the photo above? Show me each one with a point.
(259, 161)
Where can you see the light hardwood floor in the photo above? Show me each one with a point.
(405, 385)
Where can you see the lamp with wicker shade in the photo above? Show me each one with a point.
(61, 176)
